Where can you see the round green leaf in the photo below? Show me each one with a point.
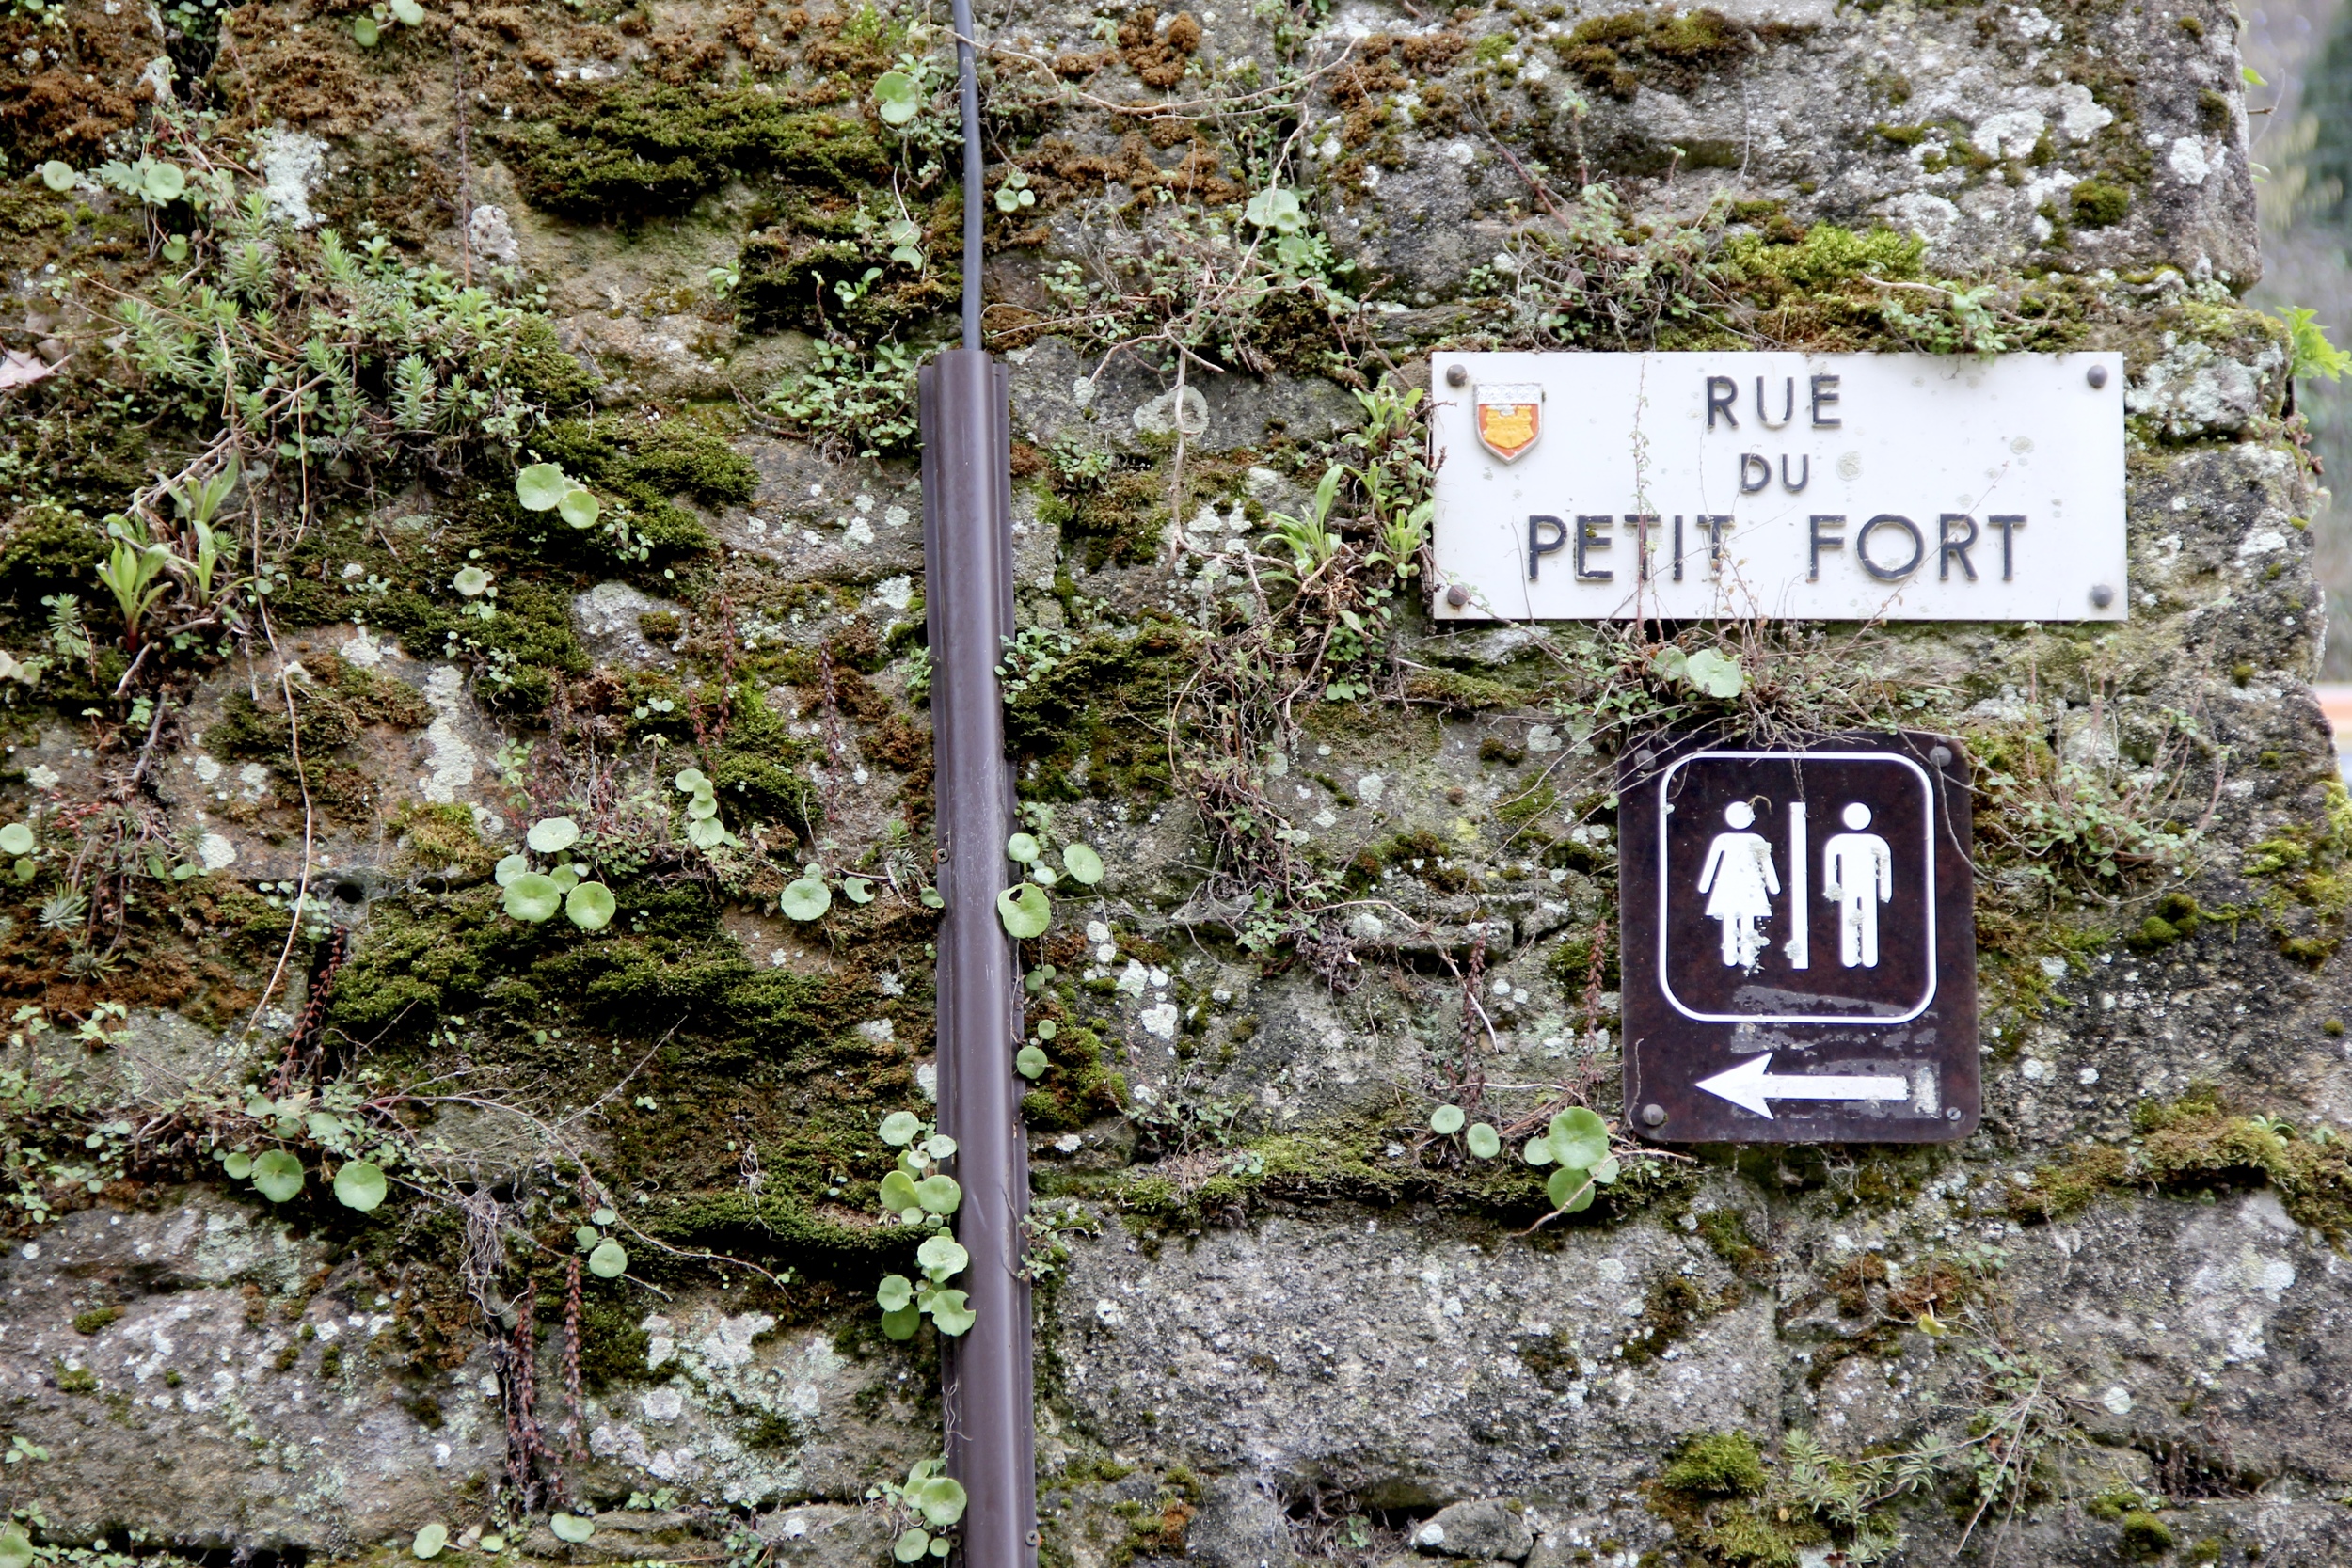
(939, 1547)
(939, 1146)
(902, 1324)
(1024, 909)
(898, 100)
(806, 899)
(938, 1195)
(1276, 209)
(1031, 1062)
(1083, 863)
(1043, 874)
(552, 834)
(578, 508)
(364, 30)
(1047, 1028)
(1606, 1171)
(1570, 1189)
(359, 1185)
(408, 12)
(472, 581)
(707, 833)
(900, 1127)
(860, 889)
(1537, 1152)
(898, 1193)
(894, 1291)
(942, 1256)
(510, 867)
(590, 906)
(941, 1498)
(586, 1237)
(1022, 847)
(930, 899)
(565, 878)
(912, 1546)
(534, 897)
(1483, 1141)
(16, 1548)
(1578, 1138)
(164, 182)
(58, 176)
(950, 1314)
(702, 807)
(16, 839)
(609, 1261)
(693, 781)
(430, 1540)
(571, 1527)
(1714, 673)
(603, 1216)
(238, 1166)
(1446, 1120)
(541, 488)
(277, 1175)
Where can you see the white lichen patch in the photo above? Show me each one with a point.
(450, 759)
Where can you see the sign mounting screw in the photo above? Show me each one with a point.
(1940, 757)
(2101, 597)
(1457, 595)
(1653, 1115)
(1458, 375)
(2097, 376)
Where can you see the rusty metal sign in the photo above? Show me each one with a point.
(1797, 941)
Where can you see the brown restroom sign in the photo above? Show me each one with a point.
(1797, 941)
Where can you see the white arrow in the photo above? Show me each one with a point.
(1751, 1085)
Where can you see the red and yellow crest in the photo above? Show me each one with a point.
(1510, 416)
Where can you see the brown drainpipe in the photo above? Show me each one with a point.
(967, 595)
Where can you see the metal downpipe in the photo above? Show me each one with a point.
(967, 571)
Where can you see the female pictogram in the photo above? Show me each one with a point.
(1739, 881)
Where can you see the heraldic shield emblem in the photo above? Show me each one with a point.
(1510, 416)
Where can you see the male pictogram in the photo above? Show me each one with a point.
(1860, 876)
(1738, 882)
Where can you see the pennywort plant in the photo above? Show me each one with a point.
(533, 895)
(928, 1504)
(917, 1193)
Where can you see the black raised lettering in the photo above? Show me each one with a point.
(1756, 473)
(1589, 538)
(1805, 474)
(1714, 523)
(1678, 547)
(1787, 405)
(2008, 526)
(1890, 573)
(1824, 393)
(1722, 392)
(1537, 545)
(1948, 548)
(1823, 541)
(1640, 523)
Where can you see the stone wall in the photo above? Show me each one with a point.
(1358, 868)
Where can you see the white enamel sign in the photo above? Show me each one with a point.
(1840, 486)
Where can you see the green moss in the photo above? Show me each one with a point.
(96, 1319)
(1096, 723)
(624, 153)
(2144, 1536)
(1725, 1233)
(1827, 256)
(1077, 1087)
(1676, 50)
(2196, 1143)
(1903, 136)
(541, 366)
(1716, 1465)
(2176, 919)
(2097, 204)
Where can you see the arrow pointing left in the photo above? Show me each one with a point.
(1753, 1085)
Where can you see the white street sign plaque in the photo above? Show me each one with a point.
(1797, 945)
(1837, 486)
